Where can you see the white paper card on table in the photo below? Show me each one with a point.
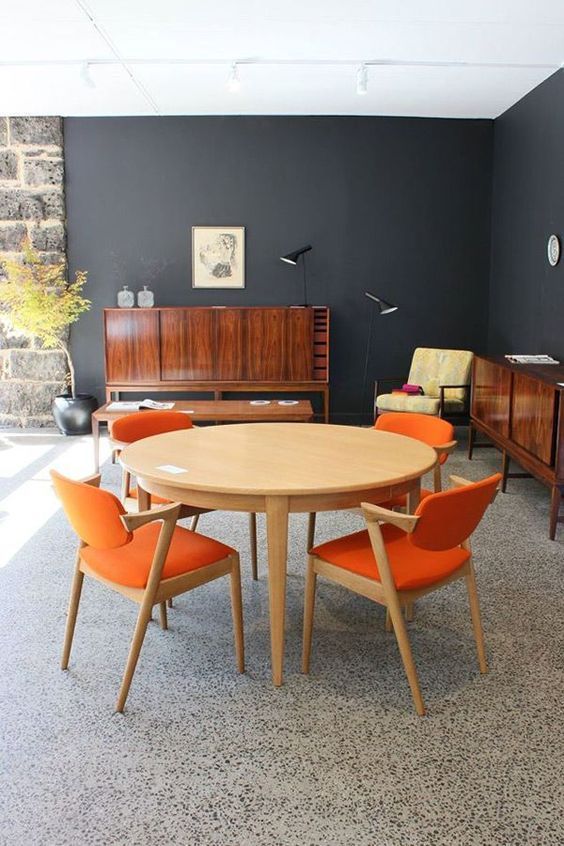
(171, 468)
(287, 402)
(187, 411)
(122, 406)
(259, 402)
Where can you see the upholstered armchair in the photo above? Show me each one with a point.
(444, 376)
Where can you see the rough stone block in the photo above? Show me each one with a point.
(8, 165)
(51, 237)
(28, 399)
(36, 365)
(3, 131)
(11, 237)
(10, 338)
(44, 421)
(36, 130)
(43, 171)
(23, 205)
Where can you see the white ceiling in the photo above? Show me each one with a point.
(174, 56)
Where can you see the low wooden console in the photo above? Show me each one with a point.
(218, 349)
(520, 408)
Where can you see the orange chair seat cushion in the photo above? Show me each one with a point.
(130, 564)
(401, 500)
(412, 568)
(155, 498)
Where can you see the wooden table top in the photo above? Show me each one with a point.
(232, 410)
(279, 459)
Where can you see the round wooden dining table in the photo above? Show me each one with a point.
(277, 469)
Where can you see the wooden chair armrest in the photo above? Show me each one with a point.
(166, 513)
(387, 379)
(446, 449)
(459, 482)
(444, 387)
(93, 480)
(377, 514)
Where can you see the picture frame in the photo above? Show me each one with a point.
(218, 257)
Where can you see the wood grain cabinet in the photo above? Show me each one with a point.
(218, 349)
(520, 408)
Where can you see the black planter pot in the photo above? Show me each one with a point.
(73, 414)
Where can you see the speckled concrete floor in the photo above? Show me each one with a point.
(205, 756)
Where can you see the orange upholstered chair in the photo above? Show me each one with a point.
(144, 424)
(433, 431)
(134, 427)
(405, 558)
(145, 556)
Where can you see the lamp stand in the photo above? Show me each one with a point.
(366, 359)
(305, 303)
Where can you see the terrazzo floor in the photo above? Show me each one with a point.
(205, 756)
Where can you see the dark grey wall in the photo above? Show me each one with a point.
(527, 295)
(397, 206)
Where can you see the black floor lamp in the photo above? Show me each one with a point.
(382, 307)
(292, 258)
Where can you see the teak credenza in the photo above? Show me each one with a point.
(218, 349)
(520, 408)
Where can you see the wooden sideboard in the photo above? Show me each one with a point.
(520, 408)
(218, 349)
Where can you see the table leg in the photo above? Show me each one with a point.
(96, 443)
(413, 497)
(277, 537)
(143, 498)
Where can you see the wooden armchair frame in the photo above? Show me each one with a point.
(384, 592)
(157, 590)
(187, 510)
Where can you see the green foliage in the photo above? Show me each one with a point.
(40, 301)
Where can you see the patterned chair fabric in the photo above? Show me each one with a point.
(432, 368)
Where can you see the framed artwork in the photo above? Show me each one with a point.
(218, 256)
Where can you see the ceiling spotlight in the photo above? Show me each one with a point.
(362, 80)
(233, 82)
(86, 77)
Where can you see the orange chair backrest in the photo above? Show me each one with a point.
(93, 513)
(144, 424)
(433, 431)
(448, 518)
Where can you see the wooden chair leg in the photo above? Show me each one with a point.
(311, 531)
(76, 590)
(125, 484)
(406, 656)
(409, 612)
(237, 612)
(471, 437)
(555, 501)
(504, 470)
(194, 522)
(253, 542)
(169, 602)
(138, 637)
(476, 619)
(309, 607)
(389, 626)
(163, 616)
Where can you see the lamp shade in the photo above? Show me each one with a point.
(292, 258)
(383, 306)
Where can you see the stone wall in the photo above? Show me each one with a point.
(32, 203)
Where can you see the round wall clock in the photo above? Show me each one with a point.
(553, 250)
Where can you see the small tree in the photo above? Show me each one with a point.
(42, 303)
